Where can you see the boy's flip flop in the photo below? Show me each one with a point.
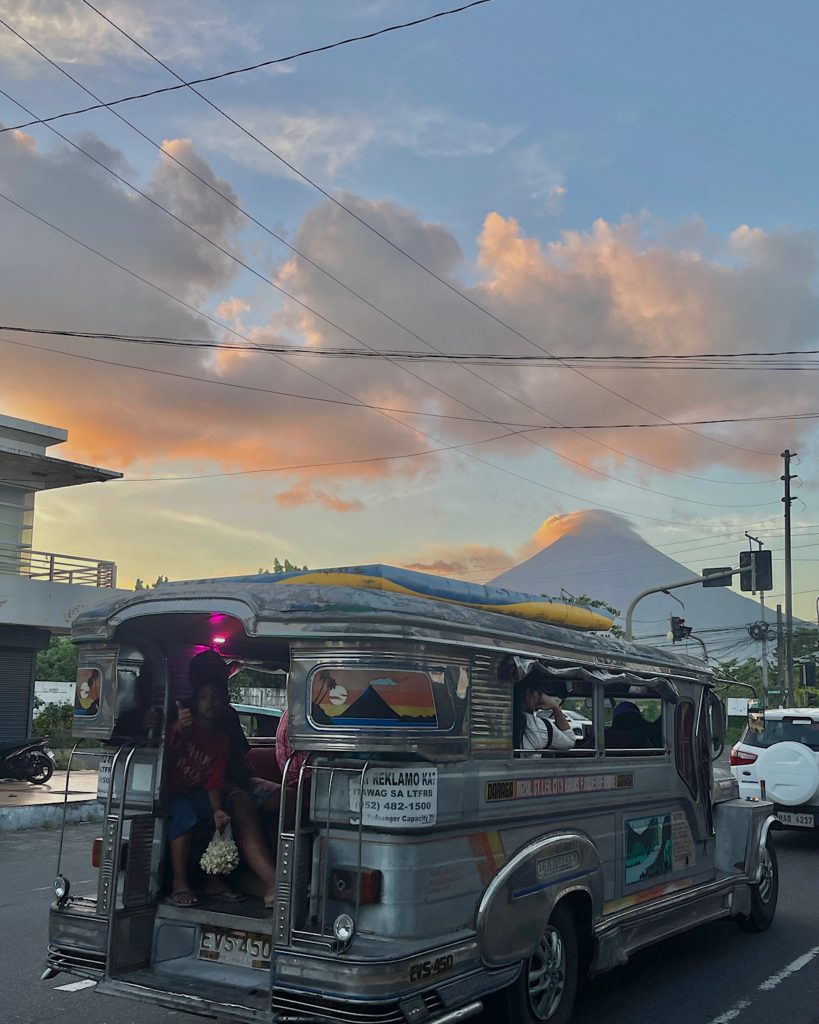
(184, 898)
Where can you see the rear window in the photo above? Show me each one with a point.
(796, 730)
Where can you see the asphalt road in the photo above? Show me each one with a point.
(715, 974)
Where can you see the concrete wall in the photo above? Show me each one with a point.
(53, 606)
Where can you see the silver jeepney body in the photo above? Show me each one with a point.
(445, 851)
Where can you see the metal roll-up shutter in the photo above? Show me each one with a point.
(16, 683)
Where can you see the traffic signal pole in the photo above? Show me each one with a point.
(661, 590)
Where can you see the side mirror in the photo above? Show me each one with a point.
(716, 721)
(756, 716)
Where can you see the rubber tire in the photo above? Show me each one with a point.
(559, 939)
(40, 768)
(764, 895)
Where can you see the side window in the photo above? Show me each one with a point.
(684, 744)
(635, 724)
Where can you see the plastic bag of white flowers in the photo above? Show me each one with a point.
(222, 855)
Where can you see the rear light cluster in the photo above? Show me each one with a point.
(341, 885)
(739, 757)
(96, 854)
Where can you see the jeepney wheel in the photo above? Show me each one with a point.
(547, 984)
(764, 894)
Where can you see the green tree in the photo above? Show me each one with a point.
(139, 585)
(58, 662)
(279, 567)
(592, 602)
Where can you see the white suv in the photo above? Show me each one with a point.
(782, 764)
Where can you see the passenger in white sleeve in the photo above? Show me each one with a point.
(533, 733)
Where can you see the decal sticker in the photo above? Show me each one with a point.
(561, 785)
(487, 850)
(648, 846)
(404, 797)
(646, 896)
(392, 697)
(684, 855)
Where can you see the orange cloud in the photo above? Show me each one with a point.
(303, 494)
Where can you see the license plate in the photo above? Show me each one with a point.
(795, 818)
(248, 949)
(104, 777)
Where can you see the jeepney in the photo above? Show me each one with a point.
(425, 870)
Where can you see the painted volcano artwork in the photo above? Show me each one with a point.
(361, 697)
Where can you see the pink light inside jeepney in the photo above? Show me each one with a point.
(218, 640)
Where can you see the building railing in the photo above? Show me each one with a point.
(45, 565)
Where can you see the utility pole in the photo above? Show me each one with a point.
(787, 477)
(780, 658)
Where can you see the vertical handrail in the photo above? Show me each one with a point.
(117, 846)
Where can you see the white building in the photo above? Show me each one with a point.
(40, 591)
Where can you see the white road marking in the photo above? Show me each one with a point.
(44, 888)
(792, 968)
(768, 985)
(75, 986)
(729, 1015)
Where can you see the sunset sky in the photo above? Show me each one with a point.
(417, 224)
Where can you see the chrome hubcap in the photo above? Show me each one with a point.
(547, 974)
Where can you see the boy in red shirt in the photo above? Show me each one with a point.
(198, 754)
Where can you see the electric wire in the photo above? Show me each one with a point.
(240, 71)
(334, 352)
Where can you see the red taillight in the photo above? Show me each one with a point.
(96, 854)
(738, 757)
(342, 885)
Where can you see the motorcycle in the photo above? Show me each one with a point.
(30, 760)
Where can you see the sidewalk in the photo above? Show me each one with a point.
(24, 805)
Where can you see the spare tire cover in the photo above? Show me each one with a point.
(790, 771)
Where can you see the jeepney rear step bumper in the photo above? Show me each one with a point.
(180, 993)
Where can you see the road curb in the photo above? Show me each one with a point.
(14, 819)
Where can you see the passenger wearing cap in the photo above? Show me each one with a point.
(530, 731)
(247, 794)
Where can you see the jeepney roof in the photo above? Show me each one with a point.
(310, 611)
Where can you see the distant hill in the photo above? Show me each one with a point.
(602, 555)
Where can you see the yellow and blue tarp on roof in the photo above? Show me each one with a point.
(439, 588)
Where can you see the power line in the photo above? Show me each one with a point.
(335, 352)
(237, 71)
(355, 403)
(407, 255)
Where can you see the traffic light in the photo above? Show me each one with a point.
(755, 570)
(679, 630)
(717, 576)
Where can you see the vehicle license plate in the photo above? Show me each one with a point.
(795, 818)
(104, 777)
(248, 949)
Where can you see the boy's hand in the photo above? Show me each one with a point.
(185, 719)
(220, 819)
